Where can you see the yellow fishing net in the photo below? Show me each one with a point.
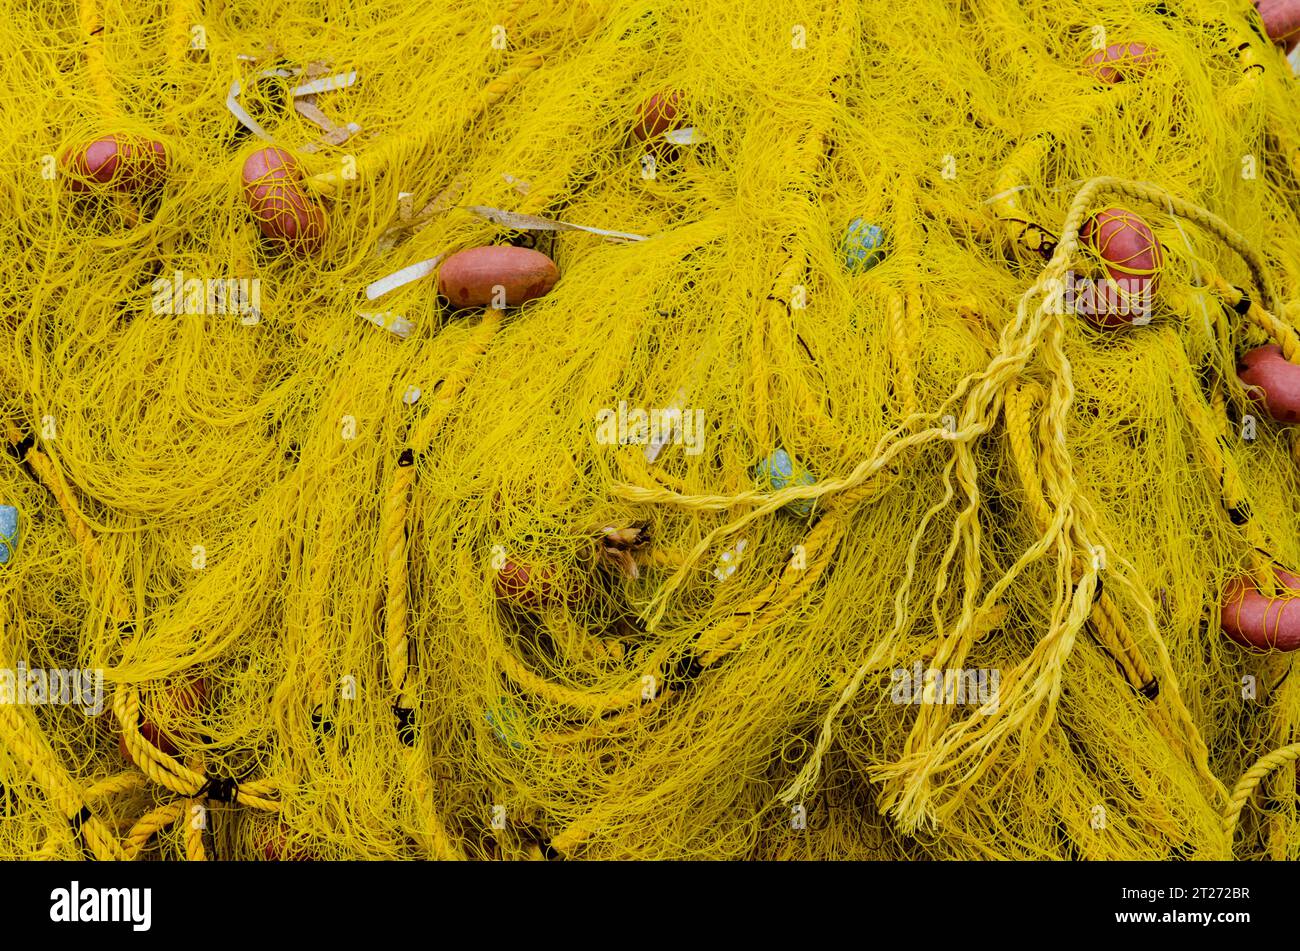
(661, 562)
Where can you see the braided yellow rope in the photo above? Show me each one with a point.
(395, 564)
(53, 480)
(92, 28)
(149, 825)
(632, 464)
(1214, 452)
(32, 750)
(1250, 781)
(772, 328)
(1106, 619)
(318, 569)
(905, 308)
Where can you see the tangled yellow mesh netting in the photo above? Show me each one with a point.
(369, 576)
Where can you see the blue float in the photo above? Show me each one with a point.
(779, 471)
(8, 533)
(503, 725)
(863, 246)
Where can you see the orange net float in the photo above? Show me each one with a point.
(497, 276)
(186, 699)
(1121, 61)
(657, 115)
(526, 586)
(272, 180)
(117, 162)
(1259, 621)
(1132, 258)
(1273, 380)
(277, 846)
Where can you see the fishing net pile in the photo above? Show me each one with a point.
(652, 560)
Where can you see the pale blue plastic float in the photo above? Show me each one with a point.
(503, 725)
(8, 533)
(863, 246)
(779, 471)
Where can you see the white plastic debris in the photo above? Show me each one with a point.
(326, 84)
(387, 320)
(665, 435)
(406, 275)
(512, 219)
(729, 560)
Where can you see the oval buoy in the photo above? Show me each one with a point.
(118, 162)
(496, 275)
(657, 115)
(1259, 621)
(273, 188)
(1120, 61)
(1132, 257)
(1276, 379)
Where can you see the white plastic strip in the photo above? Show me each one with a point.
(247, 121)
(1000, 195)
(387, 320)
(513, 219)
(326, 84)
(238, 111)
(689, 136)
(521, 186)
(406, 275)
(665, 435)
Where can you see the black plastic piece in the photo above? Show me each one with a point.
(321, 723)
(19, 449)
(219, 788)
(80, 819)
(405, 724)
(687, 669)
